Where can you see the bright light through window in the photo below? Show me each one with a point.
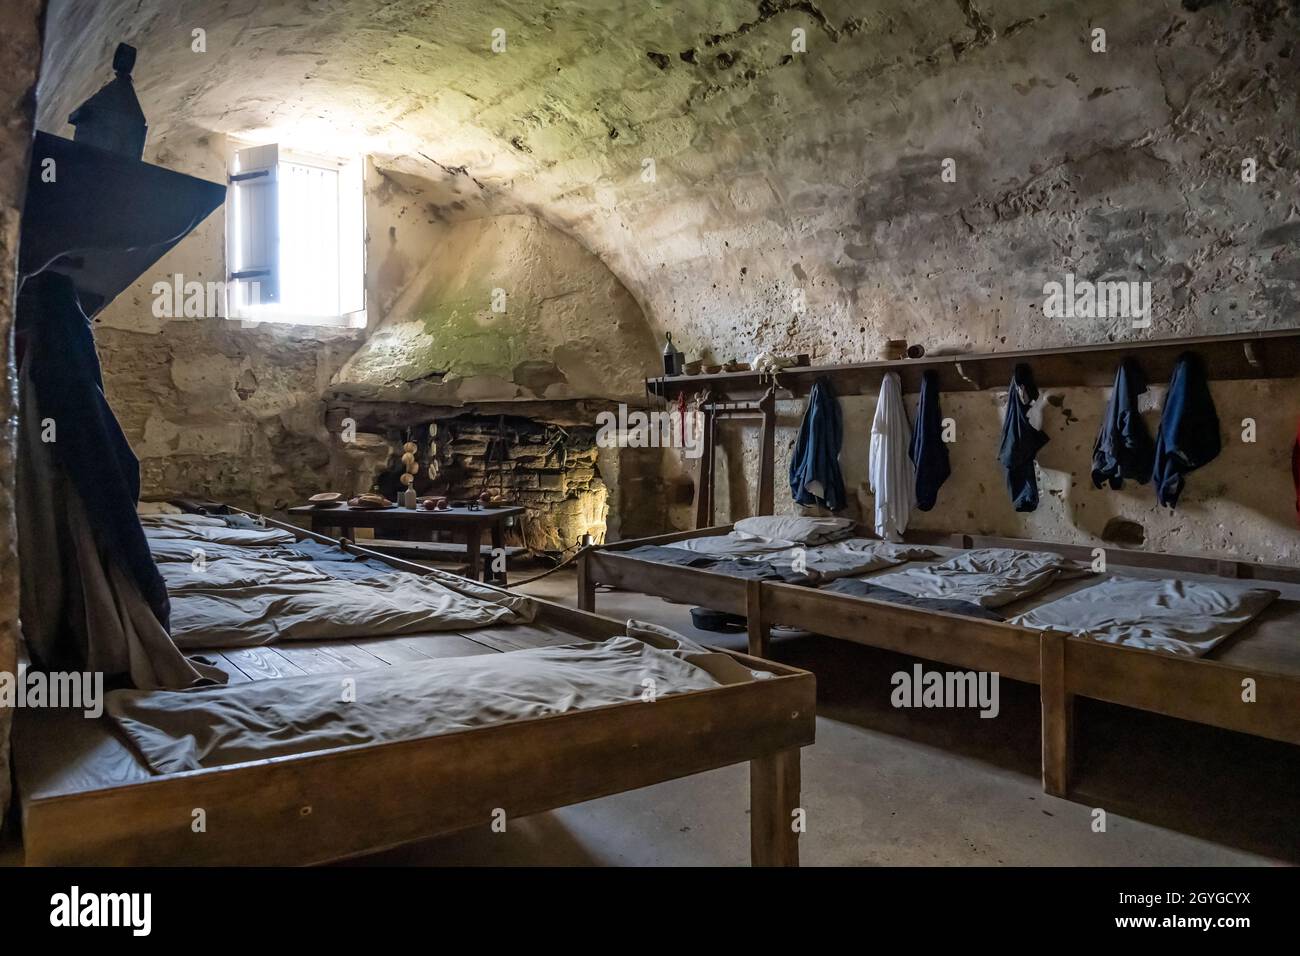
(295, 239)
(309, 240)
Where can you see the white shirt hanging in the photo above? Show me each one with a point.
(891, 473)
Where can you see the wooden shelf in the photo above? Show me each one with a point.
(1246, 355)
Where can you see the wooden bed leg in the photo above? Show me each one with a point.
(1058, 715)
(759, 628)
(586, 586)
(773, 800)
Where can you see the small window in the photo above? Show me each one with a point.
(295, 239)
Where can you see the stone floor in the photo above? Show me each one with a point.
(913, 787)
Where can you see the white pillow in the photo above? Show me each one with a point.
(794, 528)
(157, 508)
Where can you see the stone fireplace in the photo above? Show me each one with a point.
(547, 467)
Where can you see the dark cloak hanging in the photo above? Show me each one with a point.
(95, 218)
(1189, 429)
(929, 452)
(1123, 449)
(91, 597)
(57, 351)
(815, 477)
(1021, 441)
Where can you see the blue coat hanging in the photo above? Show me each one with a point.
(1189, 429)
(929, 453)
(815, 477)
(1124, 449)
(1021, 440)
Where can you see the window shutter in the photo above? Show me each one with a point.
(252, 231)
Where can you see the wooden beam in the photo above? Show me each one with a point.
(773, 802)
(332, 804)
(1057, 716)
(704, 483)
(1227, 357)
(586, 583)
(757, 624)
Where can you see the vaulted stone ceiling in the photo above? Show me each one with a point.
(779, 173)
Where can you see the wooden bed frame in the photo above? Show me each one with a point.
(1203, 690)
(328, 805)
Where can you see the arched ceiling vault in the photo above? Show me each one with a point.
(777, 171)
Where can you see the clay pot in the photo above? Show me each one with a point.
(894, 350)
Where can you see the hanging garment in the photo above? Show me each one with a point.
(815, 477)
(1021, 441)
(1189, 429)
(890, 471)
(929, 452)
(1124, 449)
(91, 597)
(1295, 472)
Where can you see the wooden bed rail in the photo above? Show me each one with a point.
(1248, 699)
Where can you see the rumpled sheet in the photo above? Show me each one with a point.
(796, 529)
(845, 558)
(238, 537)
(865, 589)
(229, 572)
(735, 555)
(337, 609)
(729, 545)
(326, 559)
(183, 549)
(1186, 618)
(188, 730)
(989, 577)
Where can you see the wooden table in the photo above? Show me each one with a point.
(411, 525)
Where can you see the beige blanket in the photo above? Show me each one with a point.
(188, 730)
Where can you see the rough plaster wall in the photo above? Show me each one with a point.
(818, 172)
(1241, 504)
(20, 51)
(509, 308)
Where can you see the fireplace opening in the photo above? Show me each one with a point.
(546, 467)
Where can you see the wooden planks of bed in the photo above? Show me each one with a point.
(1252, 686)
(86, 798)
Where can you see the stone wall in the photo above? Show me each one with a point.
(753, 193)
(549, 471)
(505, 308)
(20, 51)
